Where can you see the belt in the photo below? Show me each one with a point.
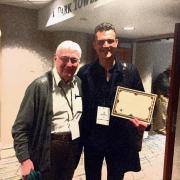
(63, 136)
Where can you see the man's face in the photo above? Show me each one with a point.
(105, 43)
(66, 62)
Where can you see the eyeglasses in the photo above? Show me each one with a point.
(66, 59)
(109, 41)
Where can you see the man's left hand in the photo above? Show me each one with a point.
(140, 125)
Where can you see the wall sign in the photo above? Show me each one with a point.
(63, 12)
(72, 6)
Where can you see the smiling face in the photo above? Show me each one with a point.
(105, 43)
(66, 62)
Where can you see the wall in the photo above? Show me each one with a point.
(152, 58)
(26, 53)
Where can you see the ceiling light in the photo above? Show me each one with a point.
(128, 28)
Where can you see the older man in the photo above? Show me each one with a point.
(46, 130)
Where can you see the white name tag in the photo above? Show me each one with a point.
(74, 126)
(77, 104)
(103, 115)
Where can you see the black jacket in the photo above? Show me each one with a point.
(120, 136)
(161, 84)
(32, 127)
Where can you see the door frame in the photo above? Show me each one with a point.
(172, 106)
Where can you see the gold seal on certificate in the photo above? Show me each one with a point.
(129, 103)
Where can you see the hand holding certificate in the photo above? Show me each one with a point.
(130, 104)
(140, 125)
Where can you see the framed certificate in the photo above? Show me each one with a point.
(129, 103)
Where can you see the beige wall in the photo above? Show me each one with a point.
(26, 53)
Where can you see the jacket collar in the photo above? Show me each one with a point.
(118, 66)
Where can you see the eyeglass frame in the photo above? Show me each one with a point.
(66, 59)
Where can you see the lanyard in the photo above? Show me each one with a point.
(70, 104)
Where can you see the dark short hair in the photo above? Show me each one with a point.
(104, 27)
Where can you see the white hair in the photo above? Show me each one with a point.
(68, 44)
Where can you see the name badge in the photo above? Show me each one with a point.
(77, 104)
(103, 115)
(74, 126)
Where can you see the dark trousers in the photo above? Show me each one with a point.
(94, 162)
(65, 155)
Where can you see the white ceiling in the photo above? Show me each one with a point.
(151, 18)
(32, 4)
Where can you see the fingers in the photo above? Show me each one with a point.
(26, 167)
(24, 178)
(140, 125)
(134, 122)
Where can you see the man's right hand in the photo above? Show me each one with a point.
(26, 167)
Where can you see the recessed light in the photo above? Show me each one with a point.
(128, 28)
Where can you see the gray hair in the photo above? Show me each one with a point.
(68, 44)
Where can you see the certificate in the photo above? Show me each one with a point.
(129, 104)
